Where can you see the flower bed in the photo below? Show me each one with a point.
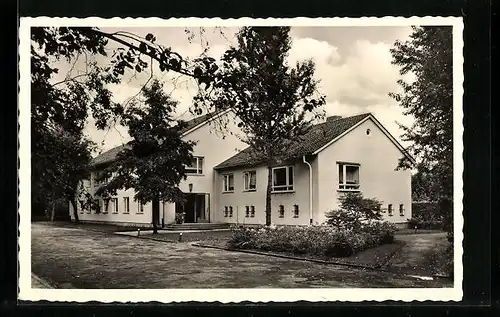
(315, 240)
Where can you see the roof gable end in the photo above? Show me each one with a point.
(380, 126)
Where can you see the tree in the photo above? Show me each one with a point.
(428, 56)
(64, 106)
(354, 209)
(274, 102)
(67, 163)
(154, 162)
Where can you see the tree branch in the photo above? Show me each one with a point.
(132, 46)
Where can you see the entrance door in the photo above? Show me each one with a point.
(199, 208)
(195, 208)
(189, 206)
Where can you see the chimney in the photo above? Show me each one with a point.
(333, 118)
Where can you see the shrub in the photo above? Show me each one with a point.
(241, 238)
(433, 224)
(354, 209)
(316, 240)
(432, 215)
(179, 218)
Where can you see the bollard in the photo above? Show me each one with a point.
(138, 232)
(415, 229)
(180, 236)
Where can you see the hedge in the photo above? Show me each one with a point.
(321, 240)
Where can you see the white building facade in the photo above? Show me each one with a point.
(352, 154)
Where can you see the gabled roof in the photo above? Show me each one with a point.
(191, 125)
(315, 139)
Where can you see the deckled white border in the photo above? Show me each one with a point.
(231, 295)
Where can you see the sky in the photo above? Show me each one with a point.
(353, 65)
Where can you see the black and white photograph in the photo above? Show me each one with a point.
(240, 160)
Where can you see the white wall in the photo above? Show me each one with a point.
(378, 158)
(214, 146)
(134, 216)
(239, 198)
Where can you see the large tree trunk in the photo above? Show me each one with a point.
(156, 214)
(75, 209)
(268, 195)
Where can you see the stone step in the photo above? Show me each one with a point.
(197, 226)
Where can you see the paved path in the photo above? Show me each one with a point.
(78, 258)
(421, 254)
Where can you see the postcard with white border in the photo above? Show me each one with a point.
(261, 160)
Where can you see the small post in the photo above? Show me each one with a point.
(180, 236)
(415, 229)
(138, 232)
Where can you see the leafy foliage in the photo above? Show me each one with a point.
(275, 103)
(426, 215)
(324, 241)
(61, 108)
(154, 162)
(354, 210)
(428, 55)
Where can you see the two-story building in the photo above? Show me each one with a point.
(227, 182)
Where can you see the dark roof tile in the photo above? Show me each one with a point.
(110, 155)
(318, 136)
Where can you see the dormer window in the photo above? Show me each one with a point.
(195, 167)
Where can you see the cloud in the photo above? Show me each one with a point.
(365, 76)
(388, 114)
(353, 66)
(320, 52)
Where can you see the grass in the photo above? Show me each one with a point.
(424, 254)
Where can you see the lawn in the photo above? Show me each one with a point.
(423, 254)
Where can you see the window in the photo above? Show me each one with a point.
(250, 181)
(225, 211)
(247, 211)
(106, 206)
(252, 211)
(230, 211)
(296, 211)
(389, 209)
(348, 177)
(126, 205)
(115, 205)
(228, 183)
(196, 166)
(140, 207)
(401, 210)
(281, 210)
(282, 179)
